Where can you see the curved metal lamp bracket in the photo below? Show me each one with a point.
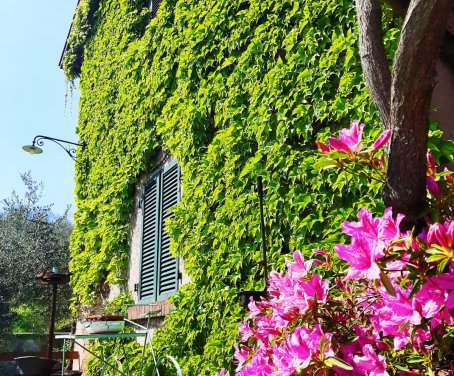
(68, 146)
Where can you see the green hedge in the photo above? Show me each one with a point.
(233, 89)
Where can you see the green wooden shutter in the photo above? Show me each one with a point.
(158, 269)
(168, 265)
(150, 232)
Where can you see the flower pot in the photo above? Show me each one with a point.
(99, 324)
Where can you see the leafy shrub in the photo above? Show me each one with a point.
(391, 310)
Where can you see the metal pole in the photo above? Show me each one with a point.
(262, 229)
(63, 357)
(50, 343)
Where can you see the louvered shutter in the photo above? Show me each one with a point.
(168, 265)
(150, 233)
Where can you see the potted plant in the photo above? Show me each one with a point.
(105, 316)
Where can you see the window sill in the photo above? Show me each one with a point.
(158, 309)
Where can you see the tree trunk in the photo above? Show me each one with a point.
(411, 92)
(403, 100)
(373, 56)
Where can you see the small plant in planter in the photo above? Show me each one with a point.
(97, 324)
(106, 317)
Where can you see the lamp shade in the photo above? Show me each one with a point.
(32, 149)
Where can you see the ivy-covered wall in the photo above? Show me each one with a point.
(233, 89)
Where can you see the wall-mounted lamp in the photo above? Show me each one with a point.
(67, 146)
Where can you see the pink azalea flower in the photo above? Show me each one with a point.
(316, 287)
(265, 329)
(390, 313)
(432, 187)
(323, 148)
(298, 346)
(403, 308)
(397, 267)
(367, 227)
(352, 137)
(254, 309)
(370, 237)
(442, 234)
(283, 359)
(443, 317)
(431, 297)
(371, 363)
(381, 140)
(245, 331)
(363, 251)
(242, 354)
(388, 227)
(336, 144)
(298, 267)
(446, 282)
(304, 344)
(361, 260)
(349, 140)
(260, 364)
(296, 297)
(420, 338)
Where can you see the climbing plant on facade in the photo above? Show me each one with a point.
(233, 90)
(390, 310)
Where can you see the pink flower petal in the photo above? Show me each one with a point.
(323, 147)
(336, 144)
(381, 140)
(432, 187)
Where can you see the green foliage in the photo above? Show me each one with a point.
(29, 318)
(442, 150)
(118, 305)
(32, 238)
(123, 354)
(74, 49)
(233, 89)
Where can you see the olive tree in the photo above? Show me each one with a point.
(32, 238)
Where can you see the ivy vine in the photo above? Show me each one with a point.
(233, 89)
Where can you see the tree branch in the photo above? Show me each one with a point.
(373, 57)
(447, 49)
(413, 81)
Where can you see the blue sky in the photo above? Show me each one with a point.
(32, 97)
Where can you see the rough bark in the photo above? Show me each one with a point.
(400, 8)
(411, 91)
(403, 98)
(373, 56)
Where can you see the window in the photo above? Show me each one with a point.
(158, 269)
(154, 6)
